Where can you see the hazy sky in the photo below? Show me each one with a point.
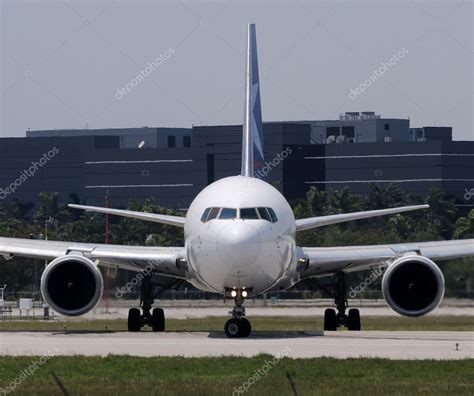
(63, 62)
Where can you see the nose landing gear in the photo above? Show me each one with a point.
(238, 326)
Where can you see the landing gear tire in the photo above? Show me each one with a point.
(237, 328)
(233, 328)
(246, 328)
(134, 319)
(158, 320)
(353, 320)
(333, 320)
(330, 321)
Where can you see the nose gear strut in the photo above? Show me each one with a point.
(238, 325)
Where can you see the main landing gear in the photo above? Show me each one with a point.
(151, 288)
(338, 291)
(238, 326)
(332, 320)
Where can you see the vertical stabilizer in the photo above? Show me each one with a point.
(252, 143)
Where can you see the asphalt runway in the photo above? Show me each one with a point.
(382, 344)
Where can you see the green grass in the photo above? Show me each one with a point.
(220, 376)
(259, 323)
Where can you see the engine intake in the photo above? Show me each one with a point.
(72, 285)
(413, 285)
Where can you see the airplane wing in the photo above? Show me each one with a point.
(135, 258)
(176, 221)
(327, 260)
(313, 222)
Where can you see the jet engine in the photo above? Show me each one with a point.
(72, 285)
(413, 285)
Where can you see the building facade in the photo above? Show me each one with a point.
(175, 164)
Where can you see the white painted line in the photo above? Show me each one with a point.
(141, 186)
(387, 181)
(391, 156)
(135, 162)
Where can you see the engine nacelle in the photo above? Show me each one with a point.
(413, 285)
(72, 285)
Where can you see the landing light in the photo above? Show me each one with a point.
(233, 293)
(244, 293)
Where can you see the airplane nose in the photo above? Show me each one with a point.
(238, 246)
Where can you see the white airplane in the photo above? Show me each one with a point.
(240, 242)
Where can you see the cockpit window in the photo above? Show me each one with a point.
(264, 215)
(204, 215)
(248, 214)
(272, 215)
(267, 214)
(213, 214)
(228, 213)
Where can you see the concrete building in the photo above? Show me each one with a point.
(363, 127)
(415, 166)
(174, 164)
(90, 165)
(127, 138)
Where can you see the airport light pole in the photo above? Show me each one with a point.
(107, 217)
(106, 280)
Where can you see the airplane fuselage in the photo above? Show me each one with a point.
(240, 233)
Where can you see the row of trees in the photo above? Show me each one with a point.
(56, 221)
(441, 221)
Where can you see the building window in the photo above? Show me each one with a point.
(348, 131)
(186, 141)
(332, 131)
(387, 127)
(107, 142)
(210, 169)
(171, 141)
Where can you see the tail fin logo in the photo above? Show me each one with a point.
(258, 156)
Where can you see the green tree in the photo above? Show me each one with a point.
(343, 201)
(385, 196)
(465, 226)
(439, 219)
(49, 208)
